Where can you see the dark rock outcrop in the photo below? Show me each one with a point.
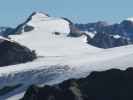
(104, 33)
(103, 40)
(74, 31)
(91, 27)
(112, 84)
(14, 53)
(5, 31)
(127, 26)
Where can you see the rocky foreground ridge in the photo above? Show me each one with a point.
(113, 84)
(12, 53)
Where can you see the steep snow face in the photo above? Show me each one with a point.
(14, 53)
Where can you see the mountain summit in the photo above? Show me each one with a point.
(39, 20)
(52, 36)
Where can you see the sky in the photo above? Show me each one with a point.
(14, 12)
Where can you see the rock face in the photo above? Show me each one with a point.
(105, 33)
(112, 84)
(102, 40)
(91, 27)
(127, 26)
(14, 53)
(74, 31)
(5, 31)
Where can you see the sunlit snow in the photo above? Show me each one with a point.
(60, 57)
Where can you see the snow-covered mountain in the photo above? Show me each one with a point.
(60, 55)
(39, 19)
(51, 37)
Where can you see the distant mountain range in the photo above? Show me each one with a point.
(99, 34)
(104, 34)
(108, 36)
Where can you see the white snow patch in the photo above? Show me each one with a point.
(91, 34)
(116, 36)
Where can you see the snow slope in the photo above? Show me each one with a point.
(59, 57)
(51, 70)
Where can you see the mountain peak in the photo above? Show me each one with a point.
(39, 14)
(130, 19)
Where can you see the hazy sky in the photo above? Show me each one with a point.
(13, 12)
